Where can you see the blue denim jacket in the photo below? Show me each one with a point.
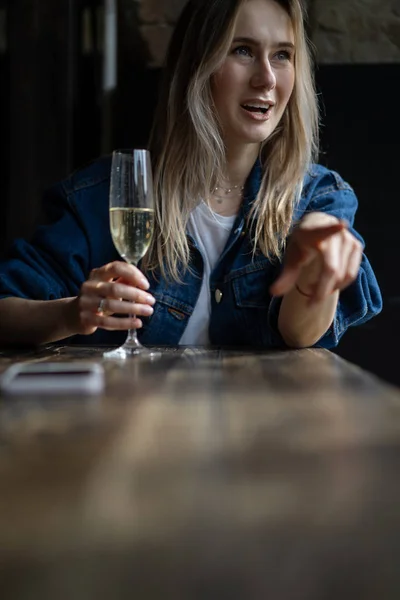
(77, 239)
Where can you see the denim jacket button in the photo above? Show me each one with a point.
(218, 296)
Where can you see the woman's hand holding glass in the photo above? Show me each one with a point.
(118, 288)
(115, 295)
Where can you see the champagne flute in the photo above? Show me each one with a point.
(131, 222)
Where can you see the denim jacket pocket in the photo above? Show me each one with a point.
(168, 321)
(252, 300)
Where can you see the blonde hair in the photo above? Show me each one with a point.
(187, 149)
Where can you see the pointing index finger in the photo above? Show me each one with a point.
(318, 234)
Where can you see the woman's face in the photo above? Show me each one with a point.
(253, 86)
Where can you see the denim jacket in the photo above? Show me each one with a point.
(76, 239)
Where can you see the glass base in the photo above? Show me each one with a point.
(127, 351)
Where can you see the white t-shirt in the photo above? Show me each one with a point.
(210, 231)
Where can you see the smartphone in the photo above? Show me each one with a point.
(53, 378)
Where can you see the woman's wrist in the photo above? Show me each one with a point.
(71, 322)
(302, 292)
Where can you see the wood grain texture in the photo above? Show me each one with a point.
(206, 474)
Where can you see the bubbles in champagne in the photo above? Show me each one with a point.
(132, 230)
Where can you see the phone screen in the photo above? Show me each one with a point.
(41, 374)
(53, 378)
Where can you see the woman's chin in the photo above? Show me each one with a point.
(256, 135)
(246, 137)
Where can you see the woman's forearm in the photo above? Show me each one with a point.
(36, 322)
(300, 324)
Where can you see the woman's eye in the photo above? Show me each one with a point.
(284, 55)
(243, 51)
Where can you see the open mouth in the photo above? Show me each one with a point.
(261, 110)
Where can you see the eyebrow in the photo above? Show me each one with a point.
(254, 42)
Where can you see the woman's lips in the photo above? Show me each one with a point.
(257, 115)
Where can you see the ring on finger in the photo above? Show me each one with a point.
(101, 306)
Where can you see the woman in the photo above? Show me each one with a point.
(253, 244)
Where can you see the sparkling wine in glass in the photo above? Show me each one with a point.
(131, 222)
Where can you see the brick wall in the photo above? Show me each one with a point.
(344, 31)
(356, 31)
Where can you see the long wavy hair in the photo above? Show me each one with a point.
(187, 148)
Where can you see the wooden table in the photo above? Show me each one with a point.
(208, 474)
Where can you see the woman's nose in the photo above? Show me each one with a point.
(264, 76)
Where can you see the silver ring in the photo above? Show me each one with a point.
(100, 308)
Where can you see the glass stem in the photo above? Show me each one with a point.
(132, 339)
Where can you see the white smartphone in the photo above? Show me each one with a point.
(71, 377)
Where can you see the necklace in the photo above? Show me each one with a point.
(227, 192)
(220, 199)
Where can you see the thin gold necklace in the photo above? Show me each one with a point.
(221, 199)
(227, 191)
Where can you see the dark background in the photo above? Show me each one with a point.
(54, 118)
